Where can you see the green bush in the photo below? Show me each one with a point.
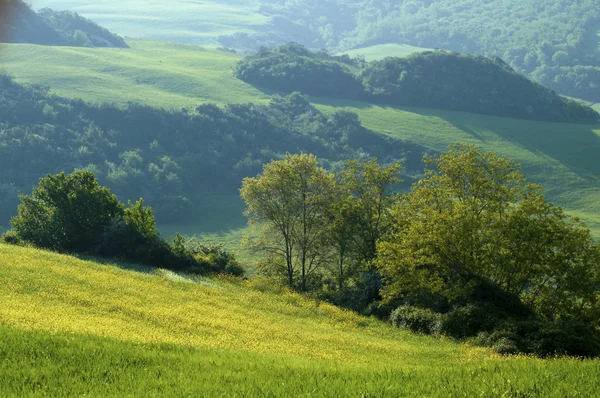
(11, 238)
(66, 213)
(419, 320)
(469, 320)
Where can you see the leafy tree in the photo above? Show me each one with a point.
(290, 199)
(473, 219)
(66, 212)
(370, 187)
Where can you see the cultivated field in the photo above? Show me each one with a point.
(73, 327)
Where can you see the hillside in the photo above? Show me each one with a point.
(431, 79)
(254, 340)
(559, 156)
(554, 42)
(20, 24)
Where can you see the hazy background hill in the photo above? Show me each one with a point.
(556, 42)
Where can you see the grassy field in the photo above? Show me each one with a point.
(156, 73)
(193, 22)
(73, 327)
(562, 157)
(380, 51)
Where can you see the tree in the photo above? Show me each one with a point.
(369, 187)
(474, 218)
(290, 200)
(66, 212)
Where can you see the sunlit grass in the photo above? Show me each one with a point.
(72, 327)
(155, 73)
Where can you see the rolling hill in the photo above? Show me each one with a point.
(560, 156)
(70, 325)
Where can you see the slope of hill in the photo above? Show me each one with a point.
(75, 327)
(560, 156)
(554, 42)
(190, 22)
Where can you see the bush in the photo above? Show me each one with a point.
(66, 213)
(419, 320)
(11, 238)
(471, 319)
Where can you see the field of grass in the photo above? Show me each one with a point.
(193, 22)
(562, 157)
(380, 51)
(156, 73)
(73, 327)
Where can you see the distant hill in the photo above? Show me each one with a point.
(20, 24)
(432, 79)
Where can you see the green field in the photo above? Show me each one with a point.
(73, 327)
(562, 157)
(191, 22)
(380, 51)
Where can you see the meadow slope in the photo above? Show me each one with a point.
(74, 327)
(562, 157)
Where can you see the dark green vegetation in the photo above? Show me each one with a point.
(74, 214)
(171, 158)
(430, 79)
(20, 24)
(471, 251)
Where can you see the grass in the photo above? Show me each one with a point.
(380, 51)
(156, 73)
(193, 22)
(73, 327)
(562, 157)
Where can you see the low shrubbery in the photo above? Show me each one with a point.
(74, 214)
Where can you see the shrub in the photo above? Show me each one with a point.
(66, 213)
(419, 320)
(471, 319)
(11, 238)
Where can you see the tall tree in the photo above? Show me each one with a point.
(370, 187)
(473, 217)
(290, 201)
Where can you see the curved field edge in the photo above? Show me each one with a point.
(74, 327)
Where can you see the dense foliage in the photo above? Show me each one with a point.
(436, 79)
(294, 68)
(171, 158)
(473, 251)
(475, 243)
(74, 214)
(20, 24)
(552, 41)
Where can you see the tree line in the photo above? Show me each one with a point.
(473, 251)
(433, 79)
(172, 158)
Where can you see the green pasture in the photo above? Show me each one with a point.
(70, 327)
